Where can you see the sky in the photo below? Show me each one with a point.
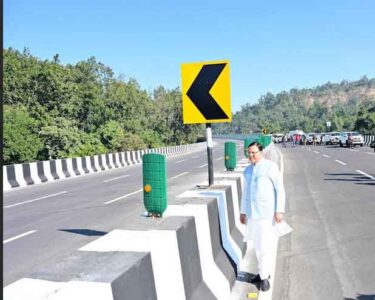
(272, 46)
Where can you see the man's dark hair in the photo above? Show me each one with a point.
(259, 145)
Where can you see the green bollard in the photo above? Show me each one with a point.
(264, 140)
(154, 184)
(230, 155)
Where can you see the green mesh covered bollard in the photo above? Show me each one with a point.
(264, 140)
(230, 155)
(154, 184)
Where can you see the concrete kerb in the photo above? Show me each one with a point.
(90, 275)
(217, 270)
(172, 242)
(232, 239)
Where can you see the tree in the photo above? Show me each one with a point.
(21, 142)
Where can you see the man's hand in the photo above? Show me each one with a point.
(278, 217)
(243, 219)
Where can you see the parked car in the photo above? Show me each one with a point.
(334, 138)
(357, 138)
(310, 138)
(277, 138)
(372, 144)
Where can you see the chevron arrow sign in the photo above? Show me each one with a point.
(206, 92)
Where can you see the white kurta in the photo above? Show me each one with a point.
(263, 195)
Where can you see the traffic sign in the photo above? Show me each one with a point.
(264, 131)
(206, 92)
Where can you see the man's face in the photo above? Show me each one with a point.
(254, 154)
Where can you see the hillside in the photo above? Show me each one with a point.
(346, 105)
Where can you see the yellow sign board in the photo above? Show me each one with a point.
(206, 92)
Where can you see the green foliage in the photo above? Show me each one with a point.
(132, 142)
(112, 136)
(82, 109)
(365, 122)
(21, 141)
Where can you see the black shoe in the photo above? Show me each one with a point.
(264, 285)
(255, 279)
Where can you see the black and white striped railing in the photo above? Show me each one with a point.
(368, 139)
(21, 175)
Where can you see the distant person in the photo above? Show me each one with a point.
(284, 139)
(298, 139)
(314, 139)
(350, 140)
(263, 204)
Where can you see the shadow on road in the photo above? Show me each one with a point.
(87, 232)
(362, 297)
(354, 177)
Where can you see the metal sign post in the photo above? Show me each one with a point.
(209, 154)
(206, 98)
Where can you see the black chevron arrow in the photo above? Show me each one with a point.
(199, 92)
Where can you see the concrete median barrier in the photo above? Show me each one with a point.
(22, 175)
(90, 275)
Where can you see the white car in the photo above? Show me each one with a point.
(277, 138)
(310, 138)
(335, 138)
(357, 138)
(326, 138)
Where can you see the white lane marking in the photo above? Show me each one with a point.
(367, 175)
(180, 161)
(37, 199)
(309, 149)
(19, 236)
(325, 155)
(115, 178)
(196, 156)
(203, 166)
(316, 152)
(179, 175)
(219, 158)
(371, 153)
(340, 162)
(122, 197)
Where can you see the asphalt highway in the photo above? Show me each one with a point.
(330, 204)
(44, 223)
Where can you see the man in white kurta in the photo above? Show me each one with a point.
(263, 204)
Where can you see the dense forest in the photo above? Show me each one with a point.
(346, 105)
(57, 111)
(51, 110)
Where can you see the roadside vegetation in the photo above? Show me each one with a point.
(51, 110)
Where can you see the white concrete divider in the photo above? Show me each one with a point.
(212, 275)
(17, 175)
(6, 184)
(89, 275)
(229, 244)
(34, 173)
(165, 260)
(47, 170)
(236, 202)
(174, 255)
(69, 165)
